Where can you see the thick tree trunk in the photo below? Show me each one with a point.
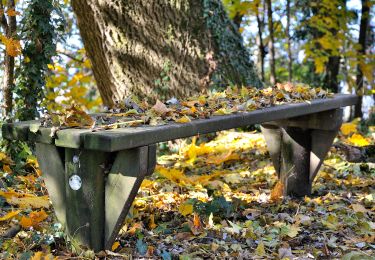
(271, 44)
(362, 40)
(9, 25)
(162, 48)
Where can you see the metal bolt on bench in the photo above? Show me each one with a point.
(93, 177)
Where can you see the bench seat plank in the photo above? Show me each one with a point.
(131, 137)
(125, 138)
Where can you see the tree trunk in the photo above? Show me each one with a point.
(332, 71)
(271, 43)
(362, 42)
(289, 42)
(162, 48)
(9, 25)
(262, 49)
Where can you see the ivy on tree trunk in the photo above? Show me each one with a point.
(158, 49)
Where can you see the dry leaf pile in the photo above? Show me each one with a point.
(132, 112)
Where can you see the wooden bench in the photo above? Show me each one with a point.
(93, 177)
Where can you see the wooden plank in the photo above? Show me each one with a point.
(85, 205)
(51, 161)
(326, 120)
(123, 182)
(17, 131)
(126, 138)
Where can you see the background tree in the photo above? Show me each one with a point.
(160, 49)
(362, 42)
(9, 26)
(271, 44)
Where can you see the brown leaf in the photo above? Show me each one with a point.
(277, 192)
(160, 108)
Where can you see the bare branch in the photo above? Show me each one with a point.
(71, 56)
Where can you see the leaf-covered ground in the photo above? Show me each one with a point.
(210, 197)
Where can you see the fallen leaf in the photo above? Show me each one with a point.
(185, 209)
(219, 159)
(25, 200)
(348, 128)
(182, 120)
(10, 215)
(152, 224)
(115, 245)
(160, 108)
(260, 250)
(35, 217)
(359, 208)
(7, 169)
(277, 192)
(358, 140)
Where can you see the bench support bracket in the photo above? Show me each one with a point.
(298, 146)
(92, 191)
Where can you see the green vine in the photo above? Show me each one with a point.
(238, 68)
(42, 23)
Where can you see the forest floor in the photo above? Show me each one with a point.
(211, 197)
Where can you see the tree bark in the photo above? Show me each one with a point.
(260, 42)
(362, 41)
(289, 42)
(9, 26)
(162, 48)
(332, 71)
(271, 43)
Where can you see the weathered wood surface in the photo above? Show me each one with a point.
(125, 138)
(298, 147)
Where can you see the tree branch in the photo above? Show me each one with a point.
(71, 56)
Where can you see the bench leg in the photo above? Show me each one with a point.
(298, 147)
(92, 191)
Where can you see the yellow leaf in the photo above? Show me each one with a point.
(43, 256)
(185, 209)
(5, 159)
(2, 156)
(183, 120)
(25, 200)
(319, 64)
(348, 128)
(358, 140)
(260, 251)
(115, 245)
(35, 217)
(293, 231)
(12, 46)
(174, 175)
(147, 184)
(219, 159)
(152, 224)
(10, 215)
(37, 256)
